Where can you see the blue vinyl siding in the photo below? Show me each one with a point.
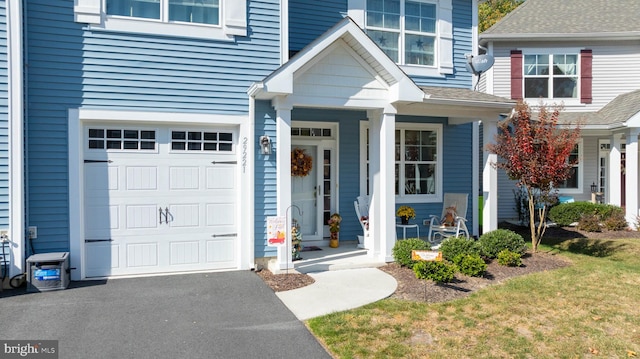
(462, 44)
(71, 66)
(308, 19)
(265, 178)
(5, 215)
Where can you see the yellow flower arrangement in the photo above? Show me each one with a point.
(406, 211)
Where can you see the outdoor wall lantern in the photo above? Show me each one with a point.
(265, 145)
(594, 188)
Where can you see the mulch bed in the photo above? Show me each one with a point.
(414, 289)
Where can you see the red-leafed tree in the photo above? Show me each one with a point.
(535, 152)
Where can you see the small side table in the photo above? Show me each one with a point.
(404, 229)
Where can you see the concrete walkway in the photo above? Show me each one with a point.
(345, 278)
(338, 290)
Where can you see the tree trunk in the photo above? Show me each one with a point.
(532, 222)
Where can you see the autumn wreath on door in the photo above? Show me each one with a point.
(301, 163)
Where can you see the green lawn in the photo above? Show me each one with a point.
(589, 309)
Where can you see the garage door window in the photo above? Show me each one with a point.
(120, 139)
(201, 141)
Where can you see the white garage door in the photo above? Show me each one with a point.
(159, 200)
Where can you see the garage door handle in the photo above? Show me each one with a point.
(224, 235)
(97, 240)
(224, 162)
(98, 161)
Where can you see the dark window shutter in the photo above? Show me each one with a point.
(586, 77)
(516, 74)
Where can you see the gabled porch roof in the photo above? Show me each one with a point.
(346, 47)
(622, 112)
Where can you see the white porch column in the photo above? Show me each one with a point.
(615, 170)
(382, 175)
(489, 178)
(283, 174)
(631, 176)
(475, 174)
(374, 170)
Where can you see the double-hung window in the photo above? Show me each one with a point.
(207, 19)
(418, 162)
(190, 11)
(551, 76)
(404, 29)
(574, 182)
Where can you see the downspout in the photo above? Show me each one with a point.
(17, 130)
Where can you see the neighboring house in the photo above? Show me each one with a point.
(583, 54)
(145, 123)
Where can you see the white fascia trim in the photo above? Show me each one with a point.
(465, 103)
(16, 136)
(79, 117)
(625, 35)
(633, 121)
(281, 81)
(95, 115)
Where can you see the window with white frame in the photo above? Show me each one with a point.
(190, 11)
(418, 167)
(208, 19)
(406, 30)
(574, 182)
(551, 76)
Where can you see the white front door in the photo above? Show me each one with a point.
(305, 195)
(159, 200)
(316, 193)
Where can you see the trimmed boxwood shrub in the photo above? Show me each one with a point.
(470, 264)
(402, 250)
(491, 243)
(453, 246)
(565, 214)
(439, 272)
(509, 258)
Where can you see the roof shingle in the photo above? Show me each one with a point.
(566, 17)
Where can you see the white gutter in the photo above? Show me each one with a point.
(469, 103)
(621, 35)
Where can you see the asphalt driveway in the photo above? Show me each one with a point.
(204, 315)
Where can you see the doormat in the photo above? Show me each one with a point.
(310, 248)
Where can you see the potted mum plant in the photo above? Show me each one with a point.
(334, 229)
(405, 213)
